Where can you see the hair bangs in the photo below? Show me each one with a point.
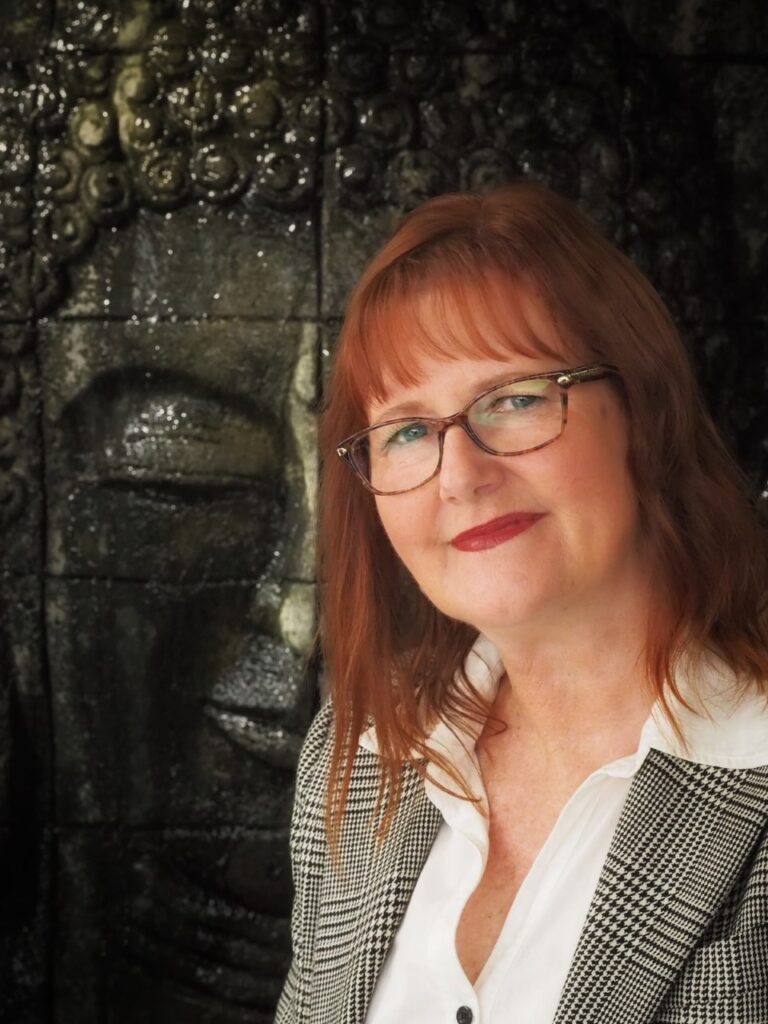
(471, 311)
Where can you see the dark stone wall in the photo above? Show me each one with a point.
(188, 189)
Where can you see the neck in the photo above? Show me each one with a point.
(578, 688)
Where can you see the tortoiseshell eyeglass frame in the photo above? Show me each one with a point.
(565, 379)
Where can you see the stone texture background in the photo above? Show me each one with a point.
(188, 188)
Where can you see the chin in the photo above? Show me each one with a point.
(488, 617)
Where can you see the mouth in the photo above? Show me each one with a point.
(495, 531)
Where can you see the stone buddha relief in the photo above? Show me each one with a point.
(188, 189)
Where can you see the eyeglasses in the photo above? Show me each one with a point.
(511, 418)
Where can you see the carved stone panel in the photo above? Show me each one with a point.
(717, 27)
(24, 25)
(189, 189)
(21, 492)
(180, 450)
(25, 733)
(740, 95)
(205, 263)
(26, 933)
(557, 102)
(208, 701)
(189, 935)
(25, 805)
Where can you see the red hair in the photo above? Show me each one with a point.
(392, 657)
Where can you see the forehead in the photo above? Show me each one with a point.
(491, 319)
(443, 386)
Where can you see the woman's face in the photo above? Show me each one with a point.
(580, 553)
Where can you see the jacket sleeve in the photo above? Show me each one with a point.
(308, 856)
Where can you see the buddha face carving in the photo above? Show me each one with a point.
(159, 202)
(181, 459)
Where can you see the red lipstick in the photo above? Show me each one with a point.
(496, 531)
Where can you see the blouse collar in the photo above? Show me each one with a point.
(724, 726)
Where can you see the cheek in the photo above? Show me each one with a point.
(594, 489)
(409, 523)
(400, 521)
(609, 507)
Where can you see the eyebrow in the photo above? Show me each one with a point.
(415, 408)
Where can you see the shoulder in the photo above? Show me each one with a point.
(364, 804)
(724, 721)
(314, 764)
(317, 743)
(725, 976)
(313, 777)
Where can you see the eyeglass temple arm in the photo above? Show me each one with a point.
(579, 375)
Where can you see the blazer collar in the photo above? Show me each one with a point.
(391, 875)
(693, 814)
(684, 836)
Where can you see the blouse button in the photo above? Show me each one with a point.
(464, 1015)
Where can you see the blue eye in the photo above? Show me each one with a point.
(504, 404)
(517, 402)
(407, 435)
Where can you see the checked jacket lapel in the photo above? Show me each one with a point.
(682, 840)
(365, 903)
(390, 893)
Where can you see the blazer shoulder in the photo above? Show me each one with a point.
(318, 741)
(314, 761)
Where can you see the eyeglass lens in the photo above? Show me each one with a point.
(508, 420)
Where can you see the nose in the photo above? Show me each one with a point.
(466, 470)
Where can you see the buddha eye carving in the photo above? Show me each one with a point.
(167, 435)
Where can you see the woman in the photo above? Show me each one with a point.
(539, 790)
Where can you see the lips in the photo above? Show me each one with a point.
(496, 531)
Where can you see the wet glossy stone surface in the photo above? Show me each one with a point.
(207, 705)
(25, 804)
(189, 189)
(191, 936)
(718, 27)
(559, 104)
(179, 450)
(24, 26)
(21, 489)
(206, 263)
(25, 733)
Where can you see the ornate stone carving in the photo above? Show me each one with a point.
(155, 105)
(168, 156)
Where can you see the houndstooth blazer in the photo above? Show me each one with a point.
(677, 930)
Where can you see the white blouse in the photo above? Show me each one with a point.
(422, 980)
